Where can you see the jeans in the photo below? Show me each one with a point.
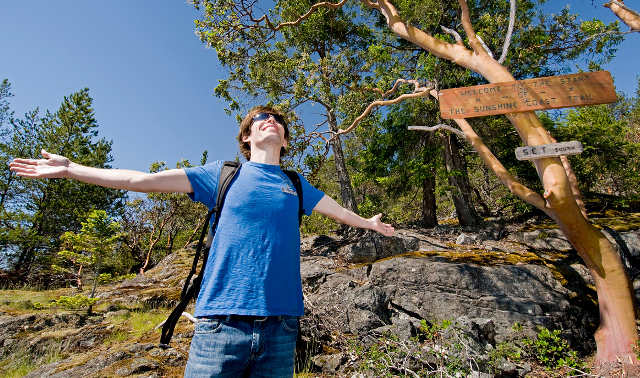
(229, 346)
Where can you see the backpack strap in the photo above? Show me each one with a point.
(295, 179)
(189, 290)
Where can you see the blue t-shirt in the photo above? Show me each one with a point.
(254, 263)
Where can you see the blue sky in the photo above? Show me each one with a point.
(150, 77)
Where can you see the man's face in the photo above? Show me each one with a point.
(266, 128)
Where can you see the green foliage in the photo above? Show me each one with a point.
(547, 348)
(159, 222)
(611, 159)
(92, 246)
(135, 324)
(438, 347)
(504, 351)
(24, 359)
(76, 302)
(553, 351)
(5, 94)
(35, 213)
(106, 278)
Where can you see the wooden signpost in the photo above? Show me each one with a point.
(548, 150)
(553, 92)
(581, 89)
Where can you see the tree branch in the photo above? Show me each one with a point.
(297, 22)
(454, 34)
(475, 43)
(418, 92)
(630, 17)
(484, 46)
(573, 182)
(507, 38)
(439, 126)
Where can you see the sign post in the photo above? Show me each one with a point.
(581, 89)
(549, 150)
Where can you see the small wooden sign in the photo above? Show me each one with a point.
(553, 92)
(549, 150)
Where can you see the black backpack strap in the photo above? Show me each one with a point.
(228, 172)
(295, 179)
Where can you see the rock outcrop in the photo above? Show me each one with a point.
(482, 282)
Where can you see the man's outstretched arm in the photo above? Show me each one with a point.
(329, 207)
(56, 166)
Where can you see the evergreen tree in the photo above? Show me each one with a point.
(37, 212)
(90, 247)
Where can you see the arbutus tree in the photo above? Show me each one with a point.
(561, 199)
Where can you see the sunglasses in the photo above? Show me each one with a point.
(265, 116)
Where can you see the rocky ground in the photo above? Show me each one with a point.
(489, 283)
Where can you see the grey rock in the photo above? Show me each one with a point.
(466, 239)
(479, 374)
(314, 269)
(329, 363)
(549, 238)
(375, 247)
(632, 240)
(141, 347)
(112, 314)
(491, 298)
(141, 365)
(507, 368)
(524, 369)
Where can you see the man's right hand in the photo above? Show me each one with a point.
(52, 166)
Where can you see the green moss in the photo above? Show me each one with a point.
(477, 257)
(622, 223)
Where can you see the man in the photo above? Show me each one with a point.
(251, 294)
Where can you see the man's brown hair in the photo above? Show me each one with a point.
(245, 129)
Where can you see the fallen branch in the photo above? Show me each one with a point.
(186, 315)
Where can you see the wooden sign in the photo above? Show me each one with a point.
(548, 150)
(581, 89)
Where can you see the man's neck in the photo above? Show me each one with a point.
(265, 157)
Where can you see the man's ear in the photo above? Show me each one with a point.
(286, 142)
(245, 138)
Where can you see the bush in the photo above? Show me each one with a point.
(553, 351)
(75, 303)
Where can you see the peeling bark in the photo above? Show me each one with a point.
(630, 17)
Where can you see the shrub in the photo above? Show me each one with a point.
(552, 350)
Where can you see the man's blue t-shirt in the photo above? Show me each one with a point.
(254, 263)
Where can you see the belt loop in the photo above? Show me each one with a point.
(280, 317)
(228, 319)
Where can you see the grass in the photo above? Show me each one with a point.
(23, 360)
(135, 324)
(28, 295)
